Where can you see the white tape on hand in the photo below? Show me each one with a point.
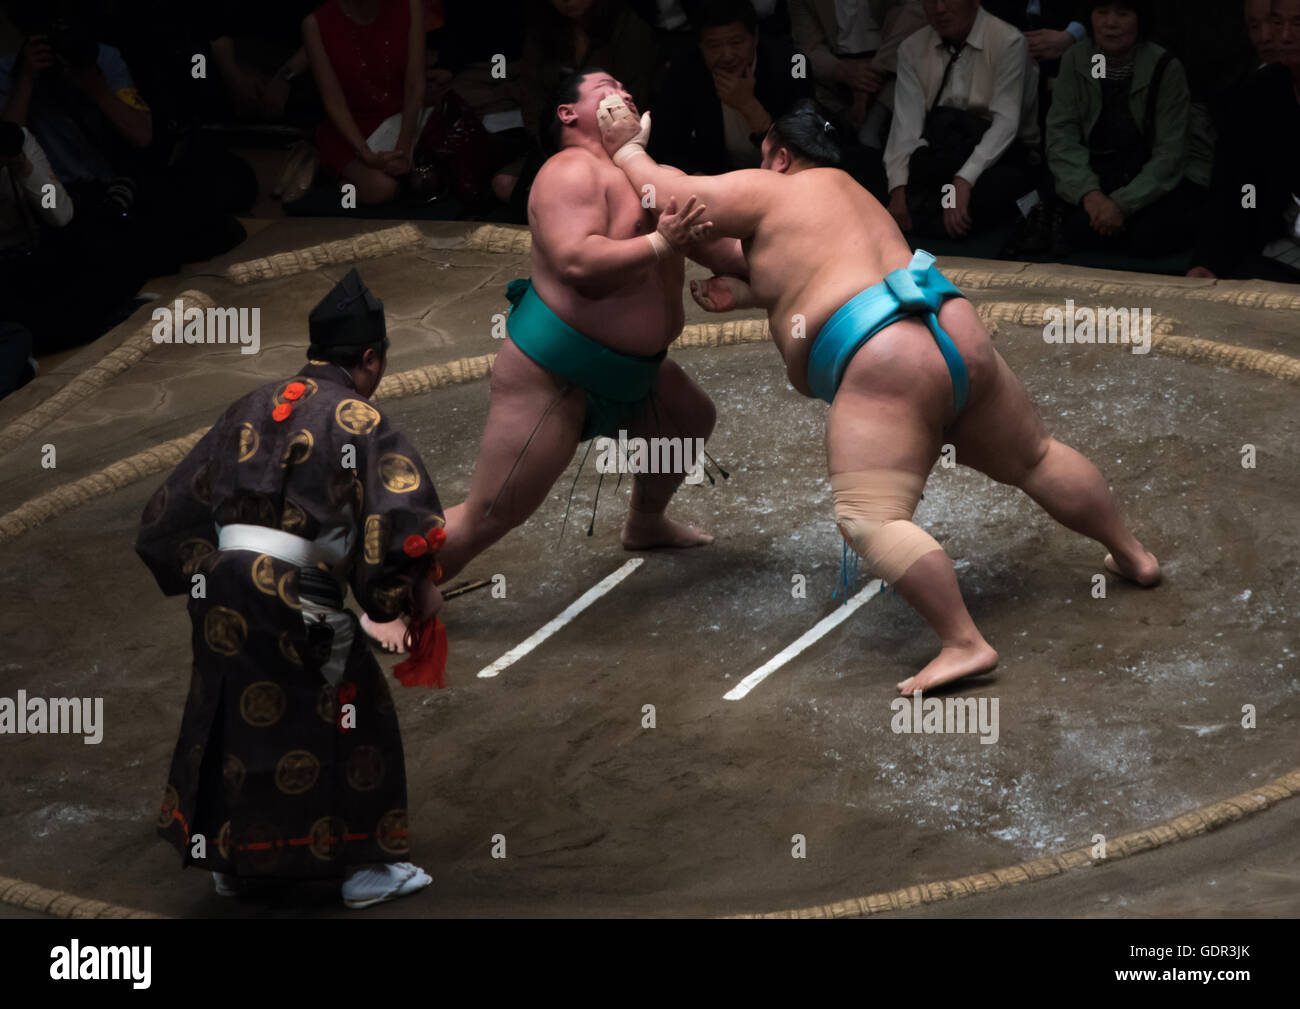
(661, 246)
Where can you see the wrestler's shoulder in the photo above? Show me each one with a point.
(569, 168)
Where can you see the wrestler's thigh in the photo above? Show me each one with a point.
(870, 432)
(680, 407)
(521, 393)
(1001, 434)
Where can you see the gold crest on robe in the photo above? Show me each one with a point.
(262, 703)
(249, 441)
(225, 630)
(398, 473)
(356, 416)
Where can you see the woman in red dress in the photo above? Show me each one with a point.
(368, 60)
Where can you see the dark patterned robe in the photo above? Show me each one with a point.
(263, 768)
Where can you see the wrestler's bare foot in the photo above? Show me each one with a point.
(647, 530)
(952, 663)
(1142, 569)
(391, 635)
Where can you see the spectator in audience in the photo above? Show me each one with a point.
(1050, 26)
(563, 35)
(1262, 28)
(1118, 143)
(566, 34)
(482, 46)
(852, 49)
(259, 58)
(74, 94)
(1252, 229)
(368, 60)
(78, 97)
(961, 147)
(722, 93)
(46, 243)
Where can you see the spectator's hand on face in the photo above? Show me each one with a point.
(736, 90)
(1046, 45)
(898, 208)
(35, 57)
(957, 220)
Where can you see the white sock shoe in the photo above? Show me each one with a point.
(372, 884)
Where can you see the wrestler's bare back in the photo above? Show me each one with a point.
(820, 239)
(577, 193)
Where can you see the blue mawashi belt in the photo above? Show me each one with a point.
(918, 290)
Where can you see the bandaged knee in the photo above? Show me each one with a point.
(874, 513)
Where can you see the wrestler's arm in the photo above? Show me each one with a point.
(569, 219)
(721, 255)
(734, 202)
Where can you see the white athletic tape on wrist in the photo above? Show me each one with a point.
(660, 244)
(630, 150)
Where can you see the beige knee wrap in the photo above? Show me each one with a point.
(874, 512)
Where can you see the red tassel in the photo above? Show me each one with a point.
(427, 666)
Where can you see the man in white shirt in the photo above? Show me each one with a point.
(975, 71)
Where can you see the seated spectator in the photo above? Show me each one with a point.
(562, 36)
(1251, 228)
(1263, 30)
(74, 94)
(722, 93)
(961, 147)
(481, 46)
(46, 242)
(852, 53)
(1118, 144)
(261, 65)
(1050, 27)
(852, 50)
(368, 60)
